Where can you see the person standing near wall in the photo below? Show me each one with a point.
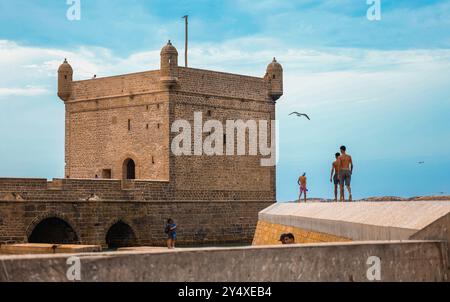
(171, 231)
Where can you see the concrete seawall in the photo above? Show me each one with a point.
(355, 221)
(400, 261)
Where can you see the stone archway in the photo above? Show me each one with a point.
(53, 230)
(119, 235)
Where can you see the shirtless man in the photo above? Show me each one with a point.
(302, 183)
(345, 170)
(334, 178)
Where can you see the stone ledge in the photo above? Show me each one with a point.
(40, 248)
(400, 261)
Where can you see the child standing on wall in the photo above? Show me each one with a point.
(171, 231)
(302, 183)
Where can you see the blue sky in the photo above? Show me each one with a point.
(381, 88)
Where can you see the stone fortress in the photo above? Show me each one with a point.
(121, 179)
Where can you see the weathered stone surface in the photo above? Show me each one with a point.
(40, 248)
(400, 261)
(10, 197)
(416, 198)
(208, 220)
(359, 220)
(269, 234)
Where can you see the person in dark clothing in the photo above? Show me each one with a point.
(171, 231)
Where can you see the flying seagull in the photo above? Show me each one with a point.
(300, 114)
(421, 162)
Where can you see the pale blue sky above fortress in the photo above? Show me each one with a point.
(381, 88)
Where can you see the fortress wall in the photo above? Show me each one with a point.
(224, 195)
(92, 206)
(87, 184)
(221, 173)
(19, 184)
(219, 83)
(208, 222)
(98, 137)
(72, 195)
(76, 190)
(12, 222)
(134, 83)
(400, 261)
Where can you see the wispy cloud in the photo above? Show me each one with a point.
(24, 91)
(347, 73)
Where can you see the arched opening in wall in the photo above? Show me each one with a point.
(120, 235)
(129, 169)
(54, 231)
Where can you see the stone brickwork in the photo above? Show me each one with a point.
(269, 234)
(93, 207)
(104, 134)
(227, 172)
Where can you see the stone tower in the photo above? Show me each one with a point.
(119, 127)
(274, 78)
(65, 77)
(169, 65)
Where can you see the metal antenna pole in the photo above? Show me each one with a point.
(186, 41)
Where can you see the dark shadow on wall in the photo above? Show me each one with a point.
(53, 230)
(121, 235)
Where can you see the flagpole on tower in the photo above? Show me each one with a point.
(186, 41)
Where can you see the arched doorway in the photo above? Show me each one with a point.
(129, 169)
(53, 230)
(120, 235)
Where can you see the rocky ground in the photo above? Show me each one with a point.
(416, 198)
(388, 198)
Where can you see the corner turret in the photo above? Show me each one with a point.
(65, 77)
(274, 78)
(169, 65)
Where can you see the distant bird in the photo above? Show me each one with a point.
(95, 76)
(300, 114)
(421, 162)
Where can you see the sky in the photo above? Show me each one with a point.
(379, 87)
